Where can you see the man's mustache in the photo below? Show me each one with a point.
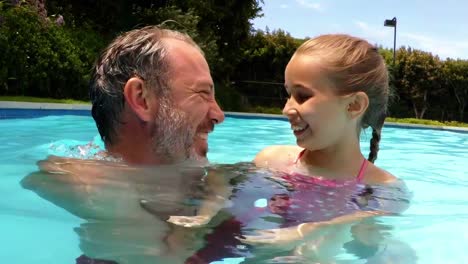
(207, 126)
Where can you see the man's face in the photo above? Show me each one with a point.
(186, 120)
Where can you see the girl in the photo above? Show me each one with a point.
(337, 85)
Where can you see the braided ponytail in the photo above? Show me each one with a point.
(374, 145)
(375, 140)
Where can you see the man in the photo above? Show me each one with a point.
(153, 103)
(153, 98)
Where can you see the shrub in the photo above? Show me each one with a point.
(229, 99)
(40, 58)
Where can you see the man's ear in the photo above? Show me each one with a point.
(357, 104)
(138, 99)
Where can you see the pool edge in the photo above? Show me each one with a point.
(57, 106)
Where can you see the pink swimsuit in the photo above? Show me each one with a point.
(260, 203)
(314, 199)
(300, 178)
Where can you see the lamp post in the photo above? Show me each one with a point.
(392, 23)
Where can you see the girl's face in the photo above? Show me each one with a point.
(318, 116)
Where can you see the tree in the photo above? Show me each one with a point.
(455, 74)
(39, 58)
(260, 74)
(228, 23)
(221, 27)
(418, 78)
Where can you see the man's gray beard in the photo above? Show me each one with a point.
(174, 134)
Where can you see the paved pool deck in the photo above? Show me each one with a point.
(57, 106)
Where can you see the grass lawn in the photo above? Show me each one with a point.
(41, 100)
(426, 122)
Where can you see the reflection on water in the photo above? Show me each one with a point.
(126, 211)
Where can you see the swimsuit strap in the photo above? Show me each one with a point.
(299, 156)
(362, 170)
(360, 175)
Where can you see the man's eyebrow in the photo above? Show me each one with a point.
(203, 84)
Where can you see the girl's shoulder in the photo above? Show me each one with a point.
(277, 156)
(376, 175)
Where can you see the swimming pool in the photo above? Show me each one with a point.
(433, 164)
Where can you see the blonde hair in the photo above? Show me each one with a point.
(354, 65)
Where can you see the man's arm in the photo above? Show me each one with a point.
(108, 195)
(93, 189)
(217, 191)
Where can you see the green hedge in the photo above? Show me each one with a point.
(42, 59)
(41, 100)
(426, 122)
(229, 99)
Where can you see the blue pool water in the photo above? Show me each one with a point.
(432, 163)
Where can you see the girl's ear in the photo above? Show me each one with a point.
(138, 99)
(357, 104)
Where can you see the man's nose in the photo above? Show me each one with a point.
(216, 114)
